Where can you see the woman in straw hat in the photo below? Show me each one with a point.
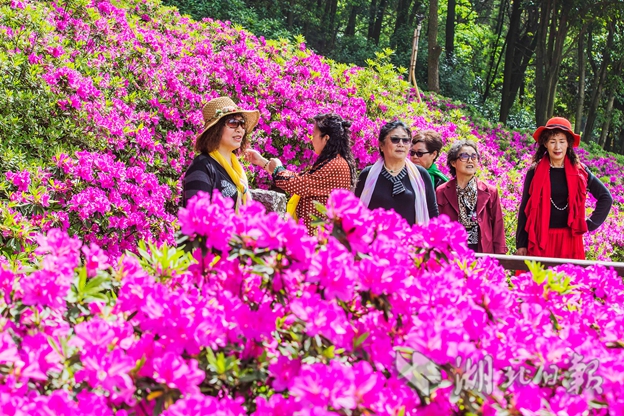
(551, 220)
(334, 168)
(216, 166)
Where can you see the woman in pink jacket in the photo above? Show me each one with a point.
(473, 203)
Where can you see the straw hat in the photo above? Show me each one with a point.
(558, 123)
(219, 107)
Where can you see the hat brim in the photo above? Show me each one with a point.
(251, 120)
(538, 133)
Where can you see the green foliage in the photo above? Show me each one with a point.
(235, 11)
(96, 289)
(552, 281)
(32, 124)
(163, 262)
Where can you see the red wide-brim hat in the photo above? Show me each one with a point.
(559, 123)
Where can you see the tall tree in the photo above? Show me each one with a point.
(551, 36)
(599, 83)
(372, 15)
(492, 73)
(381, 12)
(521, 44)
(402, 14)
(434, 49)
(450, 29)
(580, 97)
(607, 120)
(350, 29)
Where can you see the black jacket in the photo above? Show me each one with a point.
(206, 174)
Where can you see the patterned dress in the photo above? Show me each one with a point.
(314, 185)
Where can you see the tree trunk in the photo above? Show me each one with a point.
(433, 60)
(350, 30)
(551, 35)
(620, 146)
(580, 97)
(599, 82)
(450, 30)
(381, 11)
(493, 71)
(521, 44)
(402, 15)
(402, 12)
(607, 121)
(333, 31)
(372, 14)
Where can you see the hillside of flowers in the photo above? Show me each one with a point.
(113, 301)
(103, 100)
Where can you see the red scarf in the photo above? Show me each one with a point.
(538, 207)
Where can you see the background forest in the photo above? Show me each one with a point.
(513, 61)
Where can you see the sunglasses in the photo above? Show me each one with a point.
(465, 156)
(418, 153)
(235, 123)
(396, 140)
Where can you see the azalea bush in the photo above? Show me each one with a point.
(253, 316)
(102, 100)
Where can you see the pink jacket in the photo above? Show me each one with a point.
(489, 214)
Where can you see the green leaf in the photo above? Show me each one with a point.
(329, 352)
(359, 340)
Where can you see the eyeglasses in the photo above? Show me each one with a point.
(465, 156)
(418, 153)
(234, 123)
(396, 140)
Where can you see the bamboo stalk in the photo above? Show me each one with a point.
(412, 72)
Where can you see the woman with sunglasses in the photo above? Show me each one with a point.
(473, 203)
(426, 146)
(551, 219)
(333, 169)
(216, 165)
(394, 182)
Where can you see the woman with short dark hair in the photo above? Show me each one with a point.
(551, 219)
(426, 147)
(473, 203)
(216, 165)
(394, 182)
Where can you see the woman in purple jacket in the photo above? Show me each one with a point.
(473, 203)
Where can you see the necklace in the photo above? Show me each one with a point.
(555, 205)
(392, 171)
(556, 167)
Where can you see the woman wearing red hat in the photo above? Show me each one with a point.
(551, 220)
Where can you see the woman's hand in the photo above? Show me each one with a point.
(522, 251)
(255, 158)
(273, 163)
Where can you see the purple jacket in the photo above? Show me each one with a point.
(489, 214)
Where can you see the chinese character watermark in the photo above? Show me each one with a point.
(478, 375)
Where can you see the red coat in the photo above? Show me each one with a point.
(489, 214)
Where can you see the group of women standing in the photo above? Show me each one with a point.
(551, 220)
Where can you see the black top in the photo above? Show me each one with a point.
(402, 203)
(559, 195)
(437, 181)
(206, 174)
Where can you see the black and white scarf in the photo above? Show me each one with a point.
(397, 181)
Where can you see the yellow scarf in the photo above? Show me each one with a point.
(237, 174)
(291, 207)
